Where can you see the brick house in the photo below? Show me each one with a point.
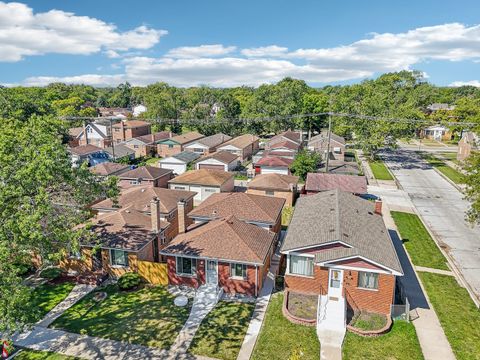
(207, 145)
(436, 132)
(145, 176)
(176, 144)
(337, 247)
(317, 182)
(263, 211)
(276, 185)
(468, 143)
(107, 169)
(97, 133)
(319, 143)
(146, 145)
(125, 130)
(289, 139)
(174, 204)
(226, 253)
(243, 146)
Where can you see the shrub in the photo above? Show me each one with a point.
(129, 281)
(51, 273)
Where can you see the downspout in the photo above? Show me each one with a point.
(256, 280)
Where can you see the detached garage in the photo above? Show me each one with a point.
(222, 160)
(178, 163)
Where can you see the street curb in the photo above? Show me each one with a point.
(456, 186)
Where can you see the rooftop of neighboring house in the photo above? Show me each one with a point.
(226, 239)
(131, 124)
(294, 136)
(145, 173)
(247, 207)
(107, 168)
(85, 149)
(285, 144)
(139, 199)
(335, 216)
(184, 138)
(127, 229)
(120, 151)
(152, 138)
(440, 106)
(214, 140)
(437, 127)
(75, 132)
(326, 181)
(241, 141)
(274, 161)
(224, 157)
(323, 137)
(186, 156)
(204, 177)
(112, 111)
(273, 182)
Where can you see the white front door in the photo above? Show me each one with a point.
(212, 272)
(335, 283)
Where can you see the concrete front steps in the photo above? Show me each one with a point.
(331, 326)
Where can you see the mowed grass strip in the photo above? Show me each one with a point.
(280, 339)
(420, 246)
(459, 316)
(221, 333)
(380, 171)
(454, 175)
(401, 343)
(147, 316)
(42, 355)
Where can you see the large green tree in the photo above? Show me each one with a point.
(42, 199)
(305, 162)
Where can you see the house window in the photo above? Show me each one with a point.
(269, 192)
(179, 188)
(210, 190)
(337, 150)
(367, 280)
(301, 265)
(135, 182)
(198, 150)
(117, 130)
(170, 146)
(238, 271)
(186, 266)
(118, 257)
(135, 146)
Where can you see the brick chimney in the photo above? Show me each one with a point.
(182, 216)
(155, 214)
(85, 134)
(378, 206)
(122, 129)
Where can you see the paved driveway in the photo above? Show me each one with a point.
(443, 208)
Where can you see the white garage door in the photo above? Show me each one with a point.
(176, 168)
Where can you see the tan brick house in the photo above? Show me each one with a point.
(145, 176)
(281, 186)
(125, 130)
(337, 247)
(243, 146)
(207, 145)
(176, 144)
(146, 145)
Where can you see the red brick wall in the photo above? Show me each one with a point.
(233, 286)
(309, 285)
(377, 301)
(164, 150)
(174, 279)
(163, 181)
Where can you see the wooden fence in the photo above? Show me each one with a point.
(154, 273)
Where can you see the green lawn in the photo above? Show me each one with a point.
(221, 333)
(42, 355)
(146, 316)
(380, 171)
(446, 170)
(458, 314)
(152, 161)
(280, 339)
(420, 246)
(45, 297)
(287, 214)
(400, 343)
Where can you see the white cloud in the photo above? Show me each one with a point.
(90, 79)
(200, 51)
(23, 33)
(475, 83)
(266, 51)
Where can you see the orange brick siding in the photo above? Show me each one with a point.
(172, 230)
(175, 279)
(234, 286)
(318, 284)
(118, 136)
(164, 150)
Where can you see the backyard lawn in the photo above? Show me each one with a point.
(281, 339)
(458, 314)
(400, 343)
(146, 316)
(45, 297)
(41, 355)
(420, 246)
(221, 333)
(380, 171)
(287, 214)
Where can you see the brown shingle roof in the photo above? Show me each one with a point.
(214, 140)
(323, 138)
(132, 124)
(107, 168)
(323, 182)
(127, 229)
(203, 177)
(226, 239)
(241, 141)
(146, 173)
(188, 137)
(273, 182)
(74, 132)
(287, 144)
(151, 138)
(139, 199)
(335, 215)
(85, 149)
(222, 156)
(274, 161)
(246, 207)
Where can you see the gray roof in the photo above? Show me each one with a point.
(323, 136)
(334, 215)
(120, 151)
(186, 156)
(214, 140)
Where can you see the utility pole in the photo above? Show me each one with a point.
(328, 142)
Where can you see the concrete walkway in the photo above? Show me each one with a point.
(78, 292)
(434, 271)
(261, 306)
(366, 169)
(205, 300)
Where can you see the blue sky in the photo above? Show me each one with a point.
(230, 43)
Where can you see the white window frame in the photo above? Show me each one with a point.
(193, 266)
(233, 271)
(113, 257)
(307, 258)
(269, 192)
(363, 286)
